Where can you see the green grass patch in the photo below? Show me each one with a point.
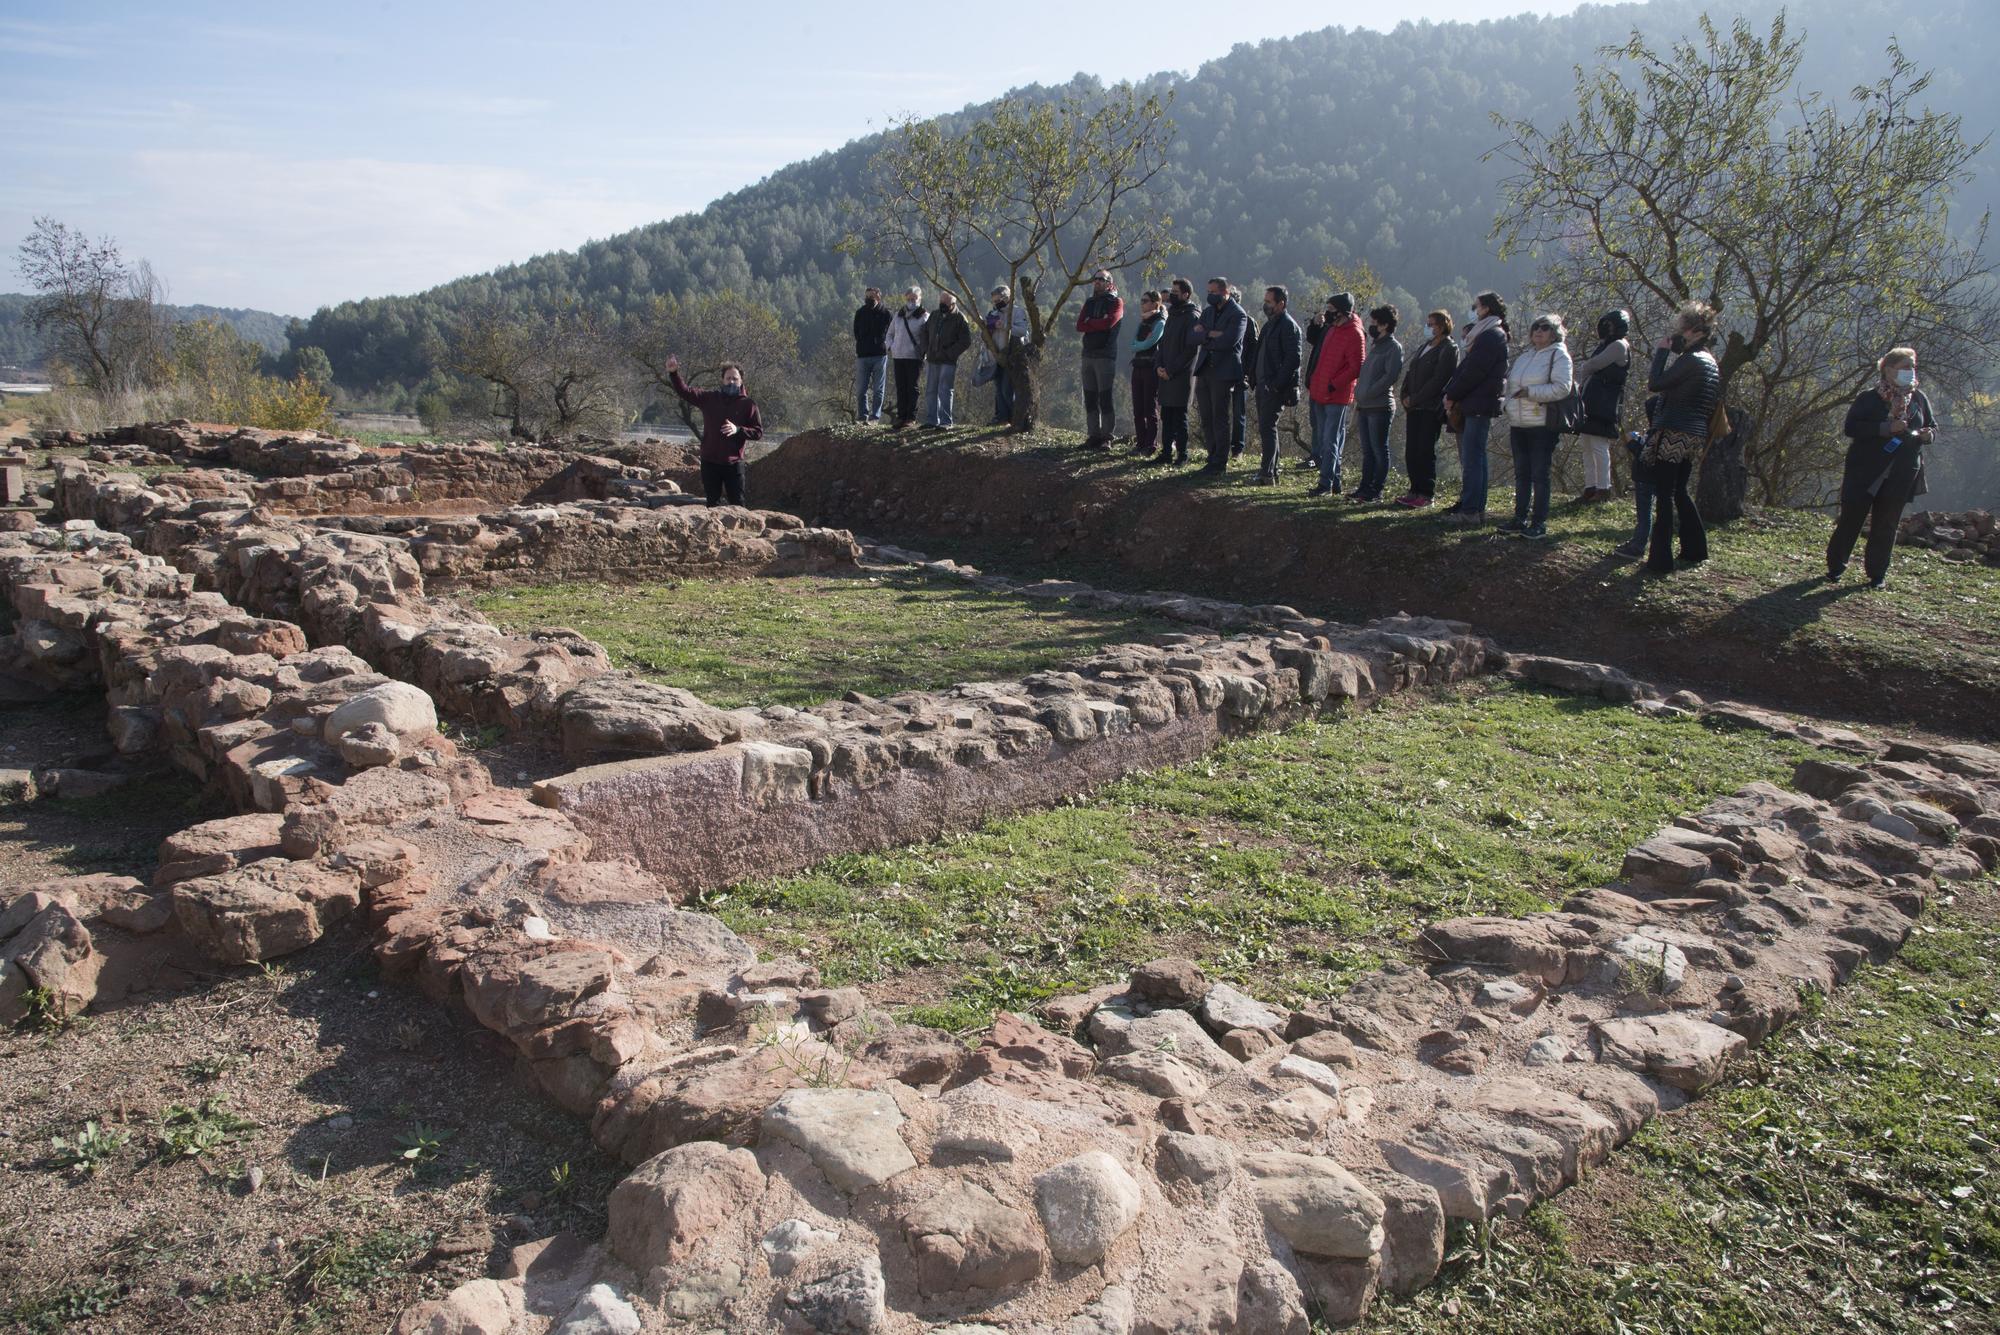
(1848, 1182)
(1287, 861)
(809, 638)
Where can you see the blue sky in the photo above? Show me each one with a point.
(286, 157)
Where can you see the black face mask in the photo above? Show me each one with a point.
(1679, 343)
(1216, 299)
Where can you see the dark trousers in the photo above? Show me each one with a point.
(1882, 513)
(1174, 430)
(1003, 398)
(1534, 450)
(716, 479)
(1671, 500)
(1239, 405)
(1269, 404)
(909, 371)
(1145, 405)
(1215, 394)
(1422, 426)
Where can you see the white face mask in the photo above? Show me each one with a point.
(1906, 378)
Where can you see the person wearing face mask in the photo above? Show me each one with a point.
(1005, 321)
(1538, 380)
(1173, 360)
(1239, 397)
(1689, 383)
(906, 354)
(1145, 373)
(947, 337)
(1375, 401)
(1218, 335)
(1102, 314)
(1277, 376)
(1331, 387)
(871, 355)
(729, 421)
(1430, 366)
(1602, 375)
(1472, 401)
(1887, 427)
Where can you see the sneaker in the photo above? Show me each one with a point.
(1833, 576)
(1631, 551)
(1881, 583)
(1322, 490)
(1415, 502)
(1536, 531)
(1515, 525)
(1264, 480)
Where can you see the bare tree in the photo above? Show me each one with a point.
(1038, 193)
(101, 314)
(1698, 173)
(706, 331)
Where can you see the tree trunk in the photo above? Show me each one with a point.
(1724, 481)
(1024, 370)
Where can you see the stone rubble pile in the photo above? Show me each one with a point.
(1970, 536)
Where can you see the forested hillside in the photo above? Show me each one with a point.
(22, 346)
(1333, 146)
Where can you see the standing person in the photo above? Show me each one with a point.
(1642, 488)
(1375, 401)
(1145, 372)
(1472, 398)
(1430, 367)
(947, 337)
(1005, 322)
(1103, 312)
(1277, 376)
(871, 355)
(1537, 381)
(1602, 375)
(1887, 427)
(1335, 371)
(1239, 398)
(1218, 335)
(1689, 383)
(729, 420)
(906, 353)
(1174, 357)
(1315, 334)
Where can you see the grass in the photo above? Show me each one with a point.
(1846, 1182)
(1761, 586)
(804, 639)
(1286, 861)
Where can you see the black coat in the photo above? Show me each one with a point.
(1689, 389)
(871, 330)
(1250, 352)
(1175, 355)
(1868, 464)
(1277, 364)
(1481, 375)
(947, 336)
(1427, 373)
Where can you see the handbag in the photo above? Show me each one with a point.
(983, 373)
(1566, 413)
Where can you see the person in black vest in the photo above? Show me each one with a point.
(1602, 375)
(1887, 427)
(1276, 376)
(1174, 357)
(871, 355)
(1689, 383)
(1103, 312)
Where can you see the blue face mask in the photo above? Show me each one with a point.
(732, 390)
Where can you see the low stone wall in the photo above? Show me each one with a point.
(1973, 535)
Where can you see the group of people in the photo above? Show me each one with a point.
(1210, 358)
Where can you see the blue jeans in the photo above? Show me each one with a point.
(1329, 440)
(1239, 408)
(1003, 397)
(871, 378)
(1472, 469)
(939, 378)
(1642, 496)
(1534, 450)
(1374, 426)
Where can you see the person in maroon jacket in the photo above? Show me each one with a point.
(729, 420)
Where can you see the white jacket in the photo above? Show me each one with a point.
(906, 333)
(1545, 373)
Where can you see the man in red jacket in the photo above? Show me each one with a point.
(729, 420)
(1336, 368)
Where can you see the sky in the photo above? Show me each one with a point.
(285, 157)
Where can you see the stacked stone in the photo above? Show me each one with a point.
(1970, 536)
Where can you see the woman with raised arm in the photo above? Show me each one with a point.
(729, 421)
(1887, 428)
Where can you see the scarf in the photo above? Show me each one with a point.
(1479, 327)
(1896, 396)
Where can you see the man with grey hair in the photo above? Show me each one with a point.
(906, 353)
(1102, 314)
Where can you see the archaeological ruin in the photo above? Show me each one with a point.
(285, 619)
